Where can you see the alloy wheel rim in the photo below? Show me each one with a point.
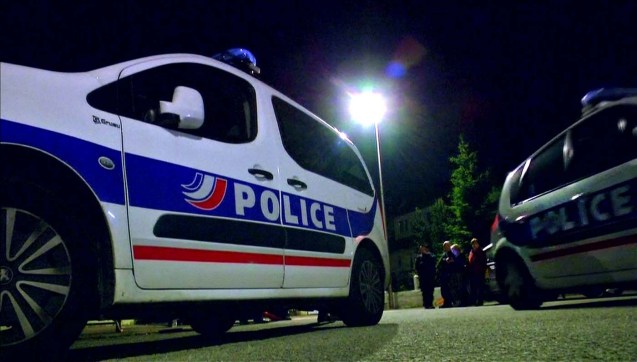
(35, 275)
(371, 292)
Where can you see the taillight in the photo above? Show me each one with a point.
(496, 223)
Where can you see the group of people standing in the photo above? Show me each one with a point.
(461, 279)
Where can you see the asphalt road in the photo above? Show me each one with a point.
(565, 330)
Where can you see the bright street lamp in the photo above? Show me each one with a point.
(369, 108)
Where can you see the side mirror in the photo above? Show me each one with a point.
(187, 106)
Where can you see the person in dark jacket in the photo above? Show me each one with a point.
(445, 269)
(426, 270)
(476, 269)
(457, 285)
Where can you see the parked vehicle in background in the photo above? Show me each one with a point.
(567, 217)
(175, 186)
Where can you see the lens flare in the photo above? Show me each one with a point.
(408, 54)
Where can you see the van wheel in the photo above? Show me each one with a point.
(364, 306)
(43, 274)
(517, 285)
(210, 324)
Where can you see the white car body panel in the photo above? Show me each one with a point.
(32, 97)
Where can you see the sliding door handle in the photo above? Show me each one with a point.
(261, 174)
(297, 184)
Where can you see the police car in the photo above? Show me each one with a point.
(567, 217)
(180, 186)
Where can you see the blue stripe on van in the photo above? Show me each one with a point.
(79, 155)
(362, 223)
(145, 191)
(603, 212)
(161, 185)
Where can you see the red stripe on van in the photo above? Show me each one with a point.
(207, 256)
(308, 261)
(604, 244)
(160, 253)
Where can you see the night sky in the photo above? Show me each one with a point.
(507, 75)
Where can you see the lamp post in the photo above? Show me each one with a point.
(369, 108)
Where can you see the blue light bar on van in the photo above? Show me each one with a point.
(239, 58)
(597, 96)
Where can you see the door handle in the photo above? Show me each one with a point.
(297, 184)
(261, 174)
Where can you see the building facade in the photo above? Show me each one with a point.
(404, 248)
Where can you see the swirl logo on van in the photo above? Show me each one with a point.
(205, 192)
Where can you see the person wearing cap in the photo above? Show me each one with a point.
(426, 270)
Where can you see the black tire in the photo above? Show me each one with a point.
(44, 274)
(517, 285)
(365, 303)
(211, 324)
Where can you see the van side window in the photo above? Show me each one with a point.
(545, 171)
(605, 140)
(318, 148)
(229, 101)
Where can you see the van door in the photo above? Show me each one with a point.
(203, 203)
(316, 200)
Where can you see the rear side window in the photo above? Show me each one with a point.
(603, 141)
(545, 171)
(229, 101)
(514, 188)
(318, 148)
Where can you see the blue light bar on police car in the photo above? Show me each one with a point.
(239, 58)
(597, 96)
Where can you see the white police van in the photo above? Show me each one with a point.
(567, 216)
(180, 186)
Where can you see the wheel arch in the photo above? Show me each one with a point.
(369, 245)
(507, 254)
(24, 164)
